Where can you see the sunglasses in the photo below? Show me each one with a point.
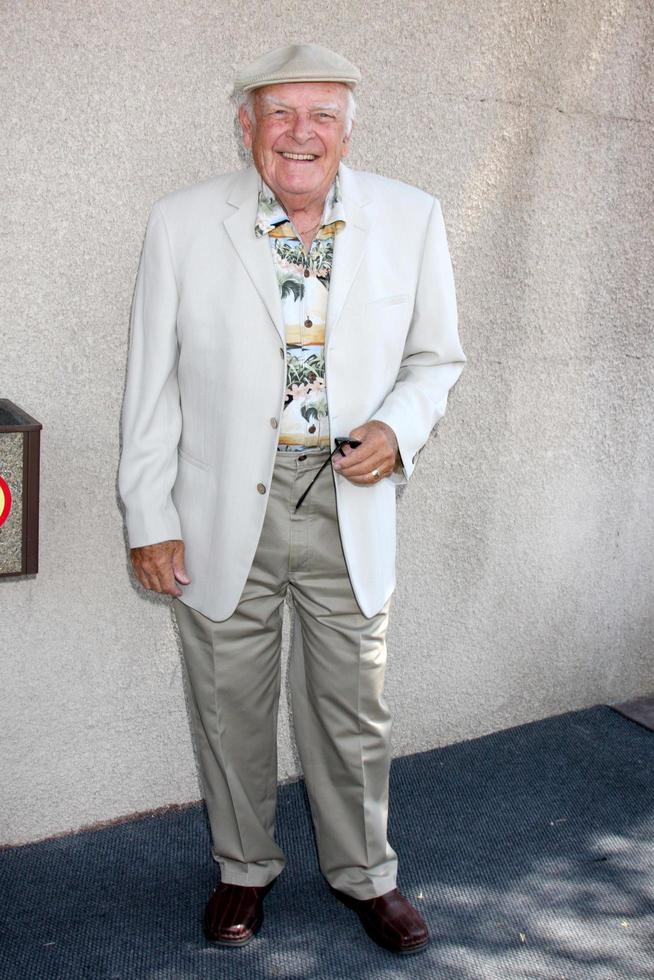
(353, 443)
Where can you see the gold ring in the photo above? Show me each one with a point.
(375, 474)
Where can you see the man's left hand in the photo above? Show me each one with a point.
(374, 459)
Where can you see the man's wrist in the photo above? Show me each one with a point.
(398, 465)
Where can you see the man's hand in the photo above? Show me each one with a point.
(159, 567)
(374, 459)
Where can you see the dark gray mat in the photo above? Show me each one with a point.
(529, 851)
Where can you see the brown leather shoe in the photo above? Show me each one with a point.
(390, 920)
(234, 914)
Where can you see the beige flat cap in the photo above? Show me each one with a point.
(297, 63)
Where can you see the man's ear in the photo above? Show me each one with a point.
(246, 127)
(346, 142)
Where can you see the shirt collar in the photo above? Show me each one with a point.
(272, 218)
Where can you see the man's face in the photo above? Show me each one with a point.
(299, 138)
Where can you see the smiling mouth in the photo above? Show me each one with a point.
(298, 156)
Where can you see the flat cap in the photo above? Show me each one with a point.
(297, 63)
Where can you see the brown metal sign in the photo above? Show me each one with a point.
(19, 490)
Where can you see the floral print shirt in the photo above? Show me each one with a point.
(303, 279)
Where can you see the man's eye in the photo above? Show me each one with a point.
(325, 115)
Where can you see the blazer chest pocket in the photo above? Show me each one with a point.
(386, 324)
(376, 305)
(388, 318)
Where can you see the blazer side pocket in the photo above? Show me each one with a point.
(191, 459)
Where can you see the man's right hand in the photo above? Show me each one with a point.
(159, 567)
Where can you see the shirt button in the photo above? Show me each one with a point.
(273, 422)
(261, 488)
(306, 273)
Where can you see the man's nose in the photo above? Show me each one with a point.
(302, 127)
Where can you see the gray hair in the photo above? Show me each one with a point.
(245, 100)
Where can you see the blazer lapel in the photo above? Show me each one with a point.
(254, 252)
(348, 244)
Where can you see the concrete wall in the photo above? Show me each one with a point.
(526, 535)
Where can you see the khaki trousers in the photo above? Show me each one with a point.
(341, 721)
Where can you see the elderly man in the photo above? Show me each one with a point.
(290, 315)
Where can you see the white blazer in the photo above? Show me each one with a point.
(206, 372)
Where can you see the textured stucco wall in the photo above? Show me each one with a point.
(526, 535)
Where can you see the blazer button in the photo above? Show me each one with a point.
(261, 488)
(273, 422)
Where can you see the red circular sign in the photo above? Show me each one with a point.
(5, 501)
